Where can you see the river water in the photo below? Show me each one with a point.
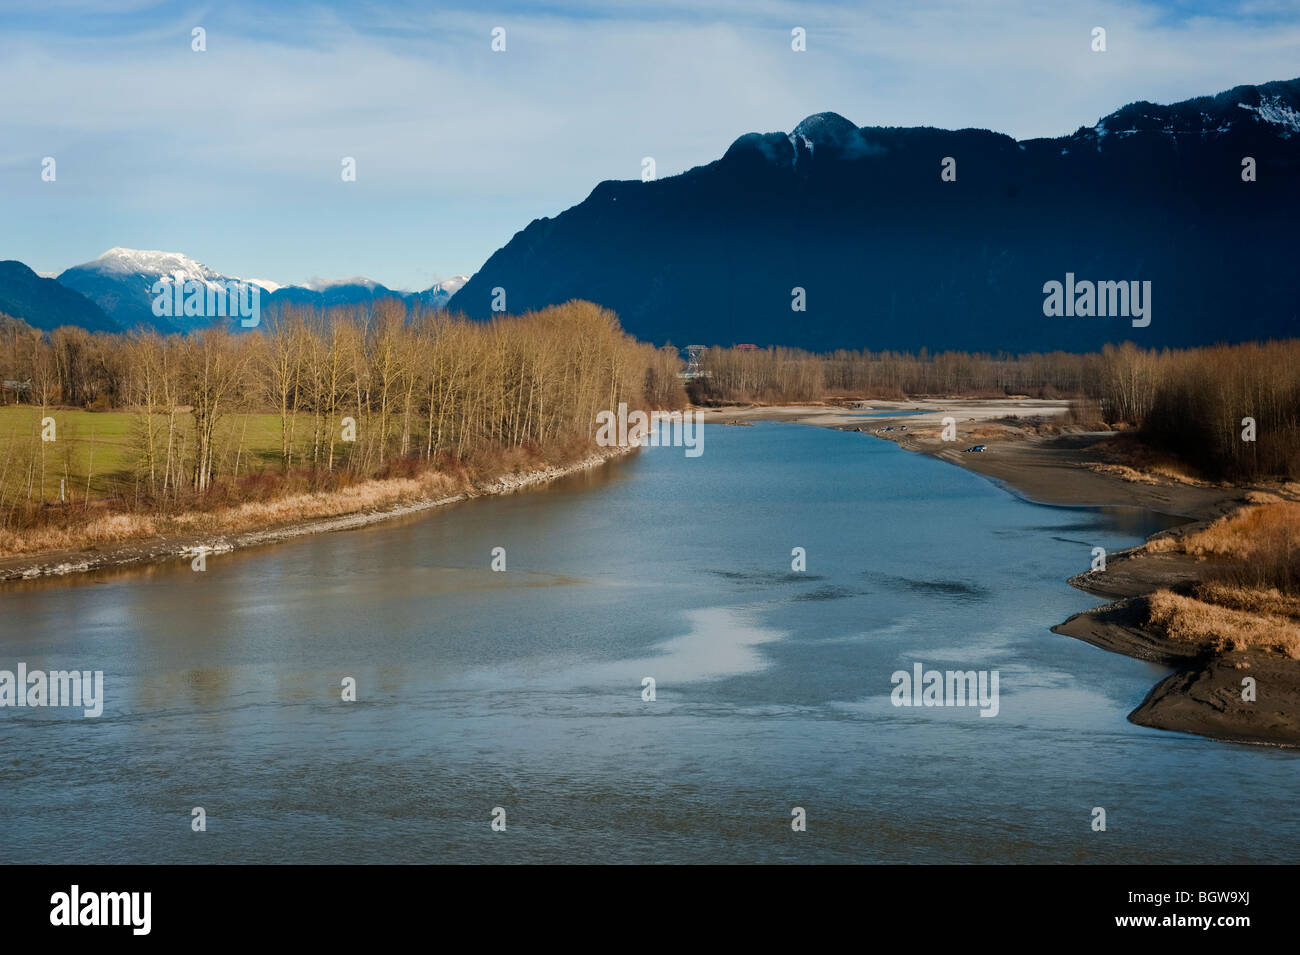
(523, 690)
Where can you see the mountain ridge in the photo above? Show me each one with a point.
(44, 303)
(890, 255)
(119, 283)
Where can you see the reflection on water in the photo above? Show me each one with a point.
(524, 689)
(721, 642)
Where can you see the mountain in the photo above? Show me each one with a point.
(360, 290)
(323, 294)
(890, 256)
(440, 294)
(120, 283)
(44, 303)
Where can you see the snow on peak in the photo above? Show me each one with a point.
(452, 285)
(122, 261)
(833, 132)
(1273, 110)
(821, 128)
(150, 265)
(320, 285)
(154, 264)
(808, 144)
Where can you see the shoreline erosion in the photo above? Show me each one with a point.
(1203, 695)
(156, 550)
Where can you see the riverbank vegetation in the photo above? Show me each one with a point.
(1249, 597)
(103, 435)
(1185, 408)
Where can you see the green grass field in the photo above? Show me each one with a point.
(109, 441)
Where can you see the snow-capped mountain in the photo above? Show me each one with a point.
(325, 293)
(359, 289)
(321, 285)
(120, 282)
(1271, 111)
(441, 292)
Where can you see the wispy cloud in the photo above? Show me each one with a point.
(233, 155)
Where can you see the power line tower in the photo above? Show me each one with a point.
(693, 353)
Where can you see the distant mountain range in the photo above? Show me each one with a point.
(358, 290)
(112, 293)
(889, 237)
(889, 255)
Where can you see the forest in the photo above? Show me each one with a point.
(310, 401)
(315, 401)
(1191, 403)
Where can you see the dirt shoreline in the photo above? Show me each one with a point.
(159, 549)
(1204, 693)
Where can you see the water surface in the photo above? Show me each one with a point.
(523, 689)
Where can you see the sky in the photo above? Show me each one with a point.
(233, 155)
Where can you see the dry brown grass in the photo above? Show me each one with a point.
(1256, 547)
(1250, 598)
(113, 529)
(373, 495)
(1220, 629)
(99, 528)
(107, 529)
(1129, 459)
(1265, 528)
(1124, 473)
(1265, 600)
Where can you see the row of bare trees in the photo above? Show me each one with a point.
(1233, 412)
(353, 389)
(1191, 403)
(788, 374)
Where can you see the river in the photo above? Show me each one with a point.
(522, 689)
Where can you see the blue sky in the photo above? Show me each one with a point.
(233, 155)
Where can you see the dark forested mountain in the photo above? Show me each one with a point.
(44, 303)
(890, 255)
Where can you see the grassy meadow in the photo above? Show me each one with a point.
(96, 452)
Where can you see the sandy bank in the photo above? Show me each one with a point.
(1049, 469)
(1204, 694)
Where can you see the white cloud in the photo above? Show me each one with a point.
(451, 136)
